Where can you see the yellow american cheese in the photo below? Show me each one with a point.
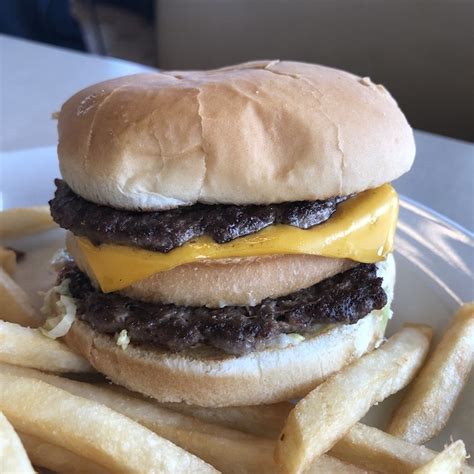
(362, 229)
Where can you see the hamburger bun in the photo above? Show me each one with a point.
(217, 283)
(256, 133)
(209, 378)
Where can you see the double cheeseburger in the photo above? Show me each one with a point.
(230, 231)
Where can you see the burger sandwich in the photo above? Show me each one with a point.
(229, 232)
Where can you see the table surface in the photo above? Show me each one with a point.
(36, 79)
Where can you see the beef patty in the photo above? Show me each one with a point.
(343, 298)
(162, 231)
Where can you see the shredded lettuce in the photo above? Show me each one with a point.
(60, 258)
(60, 308)
(386, 313)
(386, 270)
(285, 340)
(122, 339)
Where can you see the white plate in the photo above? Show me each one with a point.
(435, 258)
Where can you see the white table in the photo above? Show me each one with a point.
(36, 79)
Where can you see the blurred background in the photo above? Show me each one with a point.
(421, 50)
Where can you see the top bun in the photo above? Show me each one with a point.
(256, 133)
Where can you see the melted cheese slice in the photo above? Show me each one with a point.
(361, 229)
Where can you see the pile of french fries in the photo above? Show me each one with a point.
(49, 419)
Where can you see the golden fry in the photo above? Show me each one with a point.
(328, 412)
(327, 464)
(25, 220)
(431, 398)
(27, 347)
(228, 450)
(15, 304)
(449, 461)
(58, 459)
(90, 429)
(261, 420)
(363, 446)
(371, 448)
(7, 260)
(13, 457)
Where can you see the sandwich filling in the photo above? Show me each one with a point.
(361, 229)
(345, 298)
(120, 247)
(163, 231)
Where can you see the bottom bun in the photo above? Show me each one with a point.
(209, 378)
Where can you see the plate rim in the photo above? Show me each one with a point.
(437, 216)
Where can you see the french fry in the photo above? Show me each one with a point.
(58, 459)
(449, 461)
(27, 347)
(90, 429)
(7, 260)
(327, 464)
(431, 398)
(262, 420)
(373, 449)
(13, 457)
(25, 220)
(363, 446)
(331, 409)
(228, 450)
(15, 304)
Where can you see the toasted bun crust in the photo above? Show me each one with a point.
(204, 378)
(260, 132)
(217, 283)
